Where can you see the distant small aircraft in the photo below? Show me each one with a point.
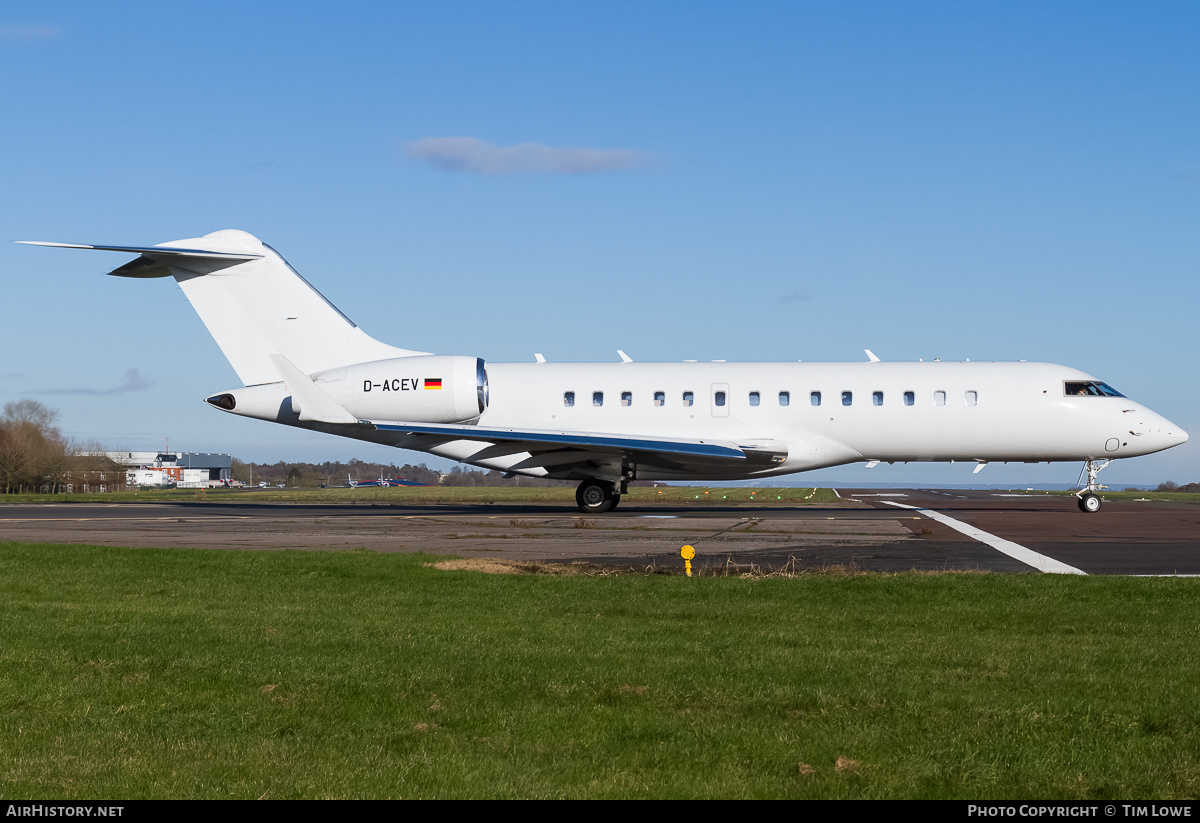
(303, 363)
(382, 481)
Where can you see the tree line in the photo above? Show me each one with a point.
(1175, 487)
(331, 473)
(336, 473)
(35, 457)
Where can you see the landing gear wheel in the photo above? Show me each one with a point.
(1089, 501)
(596, 497)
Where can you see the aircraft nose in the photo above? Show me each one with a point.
(1158, 433)
(1170, 433)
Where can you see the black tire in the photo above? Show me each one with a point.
(1090, 503)
(596, 497)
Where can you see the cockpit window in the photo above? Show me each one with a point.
(1089, 388)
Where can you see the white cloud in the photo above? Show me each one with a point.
(134, 381)
(475, 156)
(796, 295)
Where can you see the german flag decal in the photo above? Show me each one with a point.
(433, 382)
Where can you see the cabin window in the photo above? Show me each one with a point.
(909, 398)
(719, 398)
(660, 398)
(688, 398)
(753, 398)
(784, 398)
(877, 398)
(847, 398)
(597, 398)
(626, 398)
(815, 398)
(972, 398)
(939, 398)
(568, 398)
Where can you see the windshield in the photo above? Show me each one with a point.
(1089, 388)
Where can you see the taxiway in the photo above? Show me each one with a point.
(872, 529)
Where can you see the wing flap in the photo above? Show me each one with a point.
(563, 451)
(534, 440)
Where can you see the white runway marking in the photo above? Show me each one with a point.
(1017, 552)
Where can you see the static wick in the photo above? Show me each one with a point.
(687, 553)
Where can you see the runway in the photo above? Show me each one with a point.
(870, 529)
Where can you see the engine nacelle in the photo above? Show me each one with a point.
(432, 388)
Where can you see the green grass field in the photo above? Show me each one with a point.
(146, 673)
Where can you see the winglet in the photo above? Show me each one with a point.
(871, 356)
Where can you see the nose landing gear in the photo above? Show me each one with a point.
(1089, 500)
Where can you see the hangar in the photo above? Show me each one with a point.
(185, 470)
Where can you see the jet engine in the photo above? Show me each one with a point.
(420, 389)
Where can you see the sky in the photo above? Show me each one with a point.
(680, 180)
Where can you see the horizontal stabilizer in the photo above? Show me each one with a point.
(153, 251)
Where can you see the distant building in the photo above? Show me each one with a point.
(186, 470)
(89, 474)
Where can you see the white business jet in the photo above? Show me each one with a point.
(304, 363)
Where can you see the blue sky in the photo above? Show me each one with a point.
(764, 181)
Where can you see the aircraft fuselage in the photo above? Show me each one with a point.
(828, 414)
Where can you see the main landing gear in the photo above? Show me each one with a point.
(598, 496)
(1089, 501)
